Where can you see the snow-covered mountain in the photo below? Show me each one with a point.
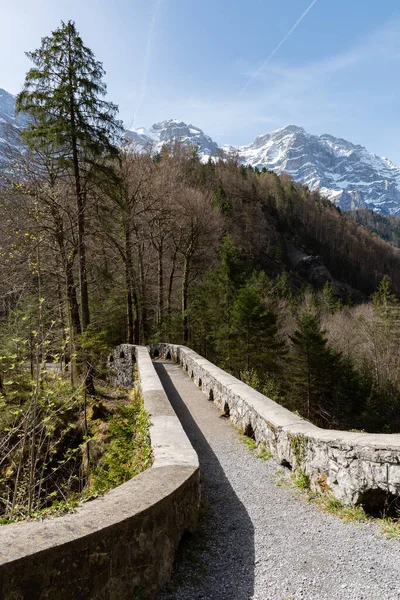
(10, 125)
(166, 131)
(346, 173)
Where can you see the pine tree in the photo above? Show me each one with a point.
(326, 300)
(282, 286)
(63, 94)
(254, 328)
(214, 300)
(222, 201)
(385, 303)
(323, 386)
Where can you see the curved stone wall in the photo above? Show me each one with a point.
(122, 545)
(354, 467)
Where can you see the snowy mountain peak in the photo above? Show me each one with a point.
(289, 129)
(165, 132)
(346, 173)
(283, 132)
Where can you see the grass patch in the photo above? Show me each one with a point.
(252, 445)
(249, 442)
(325, 502)
(348, 514)
(301, 480)
(264, 454)
(390, 527)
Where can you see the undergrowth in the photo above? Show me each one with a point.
(302, 480)
(128, 451)
(250, 443)
(390, 527)
(264, 454)
(116, 448)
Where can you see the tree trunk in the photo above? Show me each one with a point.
(129, 310)
(308, 387)
(74, 318)
(160, 311)
(142, 302)
(85, 315)
(74, 321)
(170, 283)
(132, 308)
(72, 299)
(185, 289)
(61, 307)
(129, 301)
(128, 287)
(80, 207)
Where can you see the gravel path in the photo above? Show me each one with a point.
(257, 539)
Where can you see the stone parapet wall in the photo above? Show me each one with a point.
(354, 467)
(120, 546)
(122, 363)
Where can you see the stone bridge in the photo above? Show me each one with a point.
(354, 467)
(257, 538)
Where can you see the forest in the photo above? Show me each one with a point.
(386, 227)
(100, 244)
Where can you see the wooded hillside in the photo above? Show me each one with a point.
(101, 245)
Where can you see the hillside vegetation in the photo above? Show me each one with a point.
(384, 226)
(208, 255)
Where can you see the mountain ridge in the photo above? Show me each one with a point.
(346, 173)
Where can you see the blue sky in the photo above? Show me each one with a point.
(199, 61)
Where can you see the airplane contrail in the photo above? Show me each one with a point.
(283, 40)
(149, 46)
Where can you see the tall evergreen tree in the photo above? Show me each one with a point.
(326, 300)
(386, 304)
(322, 385)
(215, 300)
(254, 329)
(64, 95)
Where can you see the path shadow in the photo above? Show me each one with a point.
(224, 558)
